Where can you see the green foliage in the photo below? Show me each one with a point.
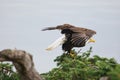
(7, 73)
(73, 66)
(115, 74)
(82, 67)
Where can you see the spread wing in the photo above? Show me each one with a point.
(78, 36)
(87, 32)
(78, 39)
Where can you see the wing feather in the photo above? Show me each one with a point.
(77, 39)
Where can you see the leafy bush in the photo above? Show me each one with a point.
(115, 73)
(82, 67)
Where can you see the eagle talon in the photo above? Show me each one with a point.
(73, 54)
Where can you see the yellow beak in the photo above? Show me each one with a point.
(91, 40)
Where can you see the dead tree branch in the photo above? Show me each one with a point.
(23, 63)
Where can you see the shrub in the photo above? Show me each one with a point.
(76, 66)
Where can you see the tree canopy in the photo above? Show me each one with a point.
(74, 66)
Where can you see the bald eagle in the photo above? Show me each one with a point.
(72, 37)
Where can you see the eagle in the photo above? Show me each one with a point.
(72, 37)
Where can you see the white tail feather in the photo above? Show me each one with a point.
(56, 43)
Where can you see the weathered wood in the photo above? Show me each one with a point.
(23, 63)
(104, 78)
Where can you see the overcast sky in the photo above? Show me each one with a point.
(21, 22)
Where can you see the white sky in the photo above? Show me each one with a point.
(21, 22)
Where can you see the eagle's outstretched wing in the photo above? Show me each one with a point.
(74, 36)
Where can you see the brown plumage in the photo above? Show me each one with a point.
(75, 36)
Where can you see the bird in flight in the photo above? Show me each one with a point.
(72, 37)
